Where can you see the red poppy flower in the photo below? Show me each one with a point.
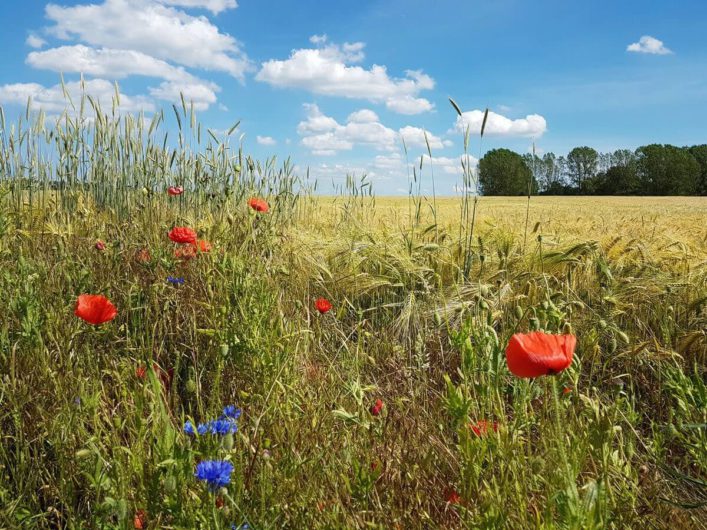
(95, 309)
(203, 245)
(140, 520)
(377, 408)
(453, 497)
(186, 252)
(566, 390)
(175, 190)
(537, 353)
(100, 245)
(482, 427)
(219, 502)
(322, 305)
(143, 256)
(141, 371)
(182, 234)
(259, 205)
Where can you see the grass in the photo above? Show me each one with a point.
(92, 417)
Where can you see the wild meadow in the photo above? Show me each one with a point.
(263, 357)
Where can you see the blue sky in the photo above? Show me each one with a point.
(335, 85)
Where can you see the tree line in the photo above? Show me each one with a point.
(649, 170)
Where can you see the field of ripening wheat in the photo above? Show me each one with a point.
(191, 339)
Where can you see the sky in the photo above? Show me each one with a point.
(338, 85)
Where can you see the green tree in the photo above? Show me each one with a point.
(582, 165)
(700, 154)
(620, 180)
(504, 172)
(667, 170)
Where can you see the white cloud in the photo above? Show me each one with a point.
(33, 41)
(153, 29)
(648, 44)
(215, 6)
(532, 125)
(329, 70)
(118, 64)
(265, 140)
(414, 136)
(52, 99)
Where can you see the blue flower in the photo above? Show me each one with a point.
(202, 429)
(230, 411)
(189, 428)
(244, 526)
(216, 473)
(175, 281)
(222, 426)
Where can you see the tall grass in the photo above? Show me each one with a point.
(616, 441)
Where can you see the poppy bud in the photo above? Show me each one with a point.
(377, 407)
(519, 312)
(100, 245)
(534, 324)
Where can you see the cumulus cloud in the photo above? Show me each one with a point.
(52, 99)
(33, 41)
(215, 6)
(532, 125)
(323, 135)
(265, 140)
(331, 70)
(154, 29)
(648, 44)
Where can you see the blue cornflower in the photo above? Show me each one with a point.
(244, 526)
(222, 426)
(230, 411)
(175, 281)
(217, 473)
(202, 429)
(189, 428)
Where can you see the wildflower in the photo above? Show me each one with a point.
(189, 428)
(482, 427)
(202, 429)
(182, 234)
(259, 205)
(216, 473)
(140, 519)
(566, 390)
(95, 309)
(453, 497)
(322, 305)
(143, 256)
(377, 407)
(203, 246)
(141, 371)
(222, 426)
(219, 502)
(100, 245)
(230, 411)
(175, 281)
(244, 526)
(175, 190)
(537, 353)
(185, 253)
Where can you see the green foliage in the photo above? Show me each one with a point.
(667, 170)
(503, 172)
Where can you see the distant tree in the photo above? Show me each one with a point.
(700, 154)
(622, 157)
(667, 170)
(582, 164)
(504, 172)
(620, 180)
(535, 164)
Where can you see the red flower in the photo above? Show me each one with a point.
(95, 309)
(482, 427)
(453, 497)
(182, 234)
(203, 245)
(141, 371)
(259, 205)
(143, 256)
(100, 245)
(219, 502)
(175, 190)
(537, 353)
(377, 408)
(140, 520)
(322, 305)
(186, 252)
(566, 390)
